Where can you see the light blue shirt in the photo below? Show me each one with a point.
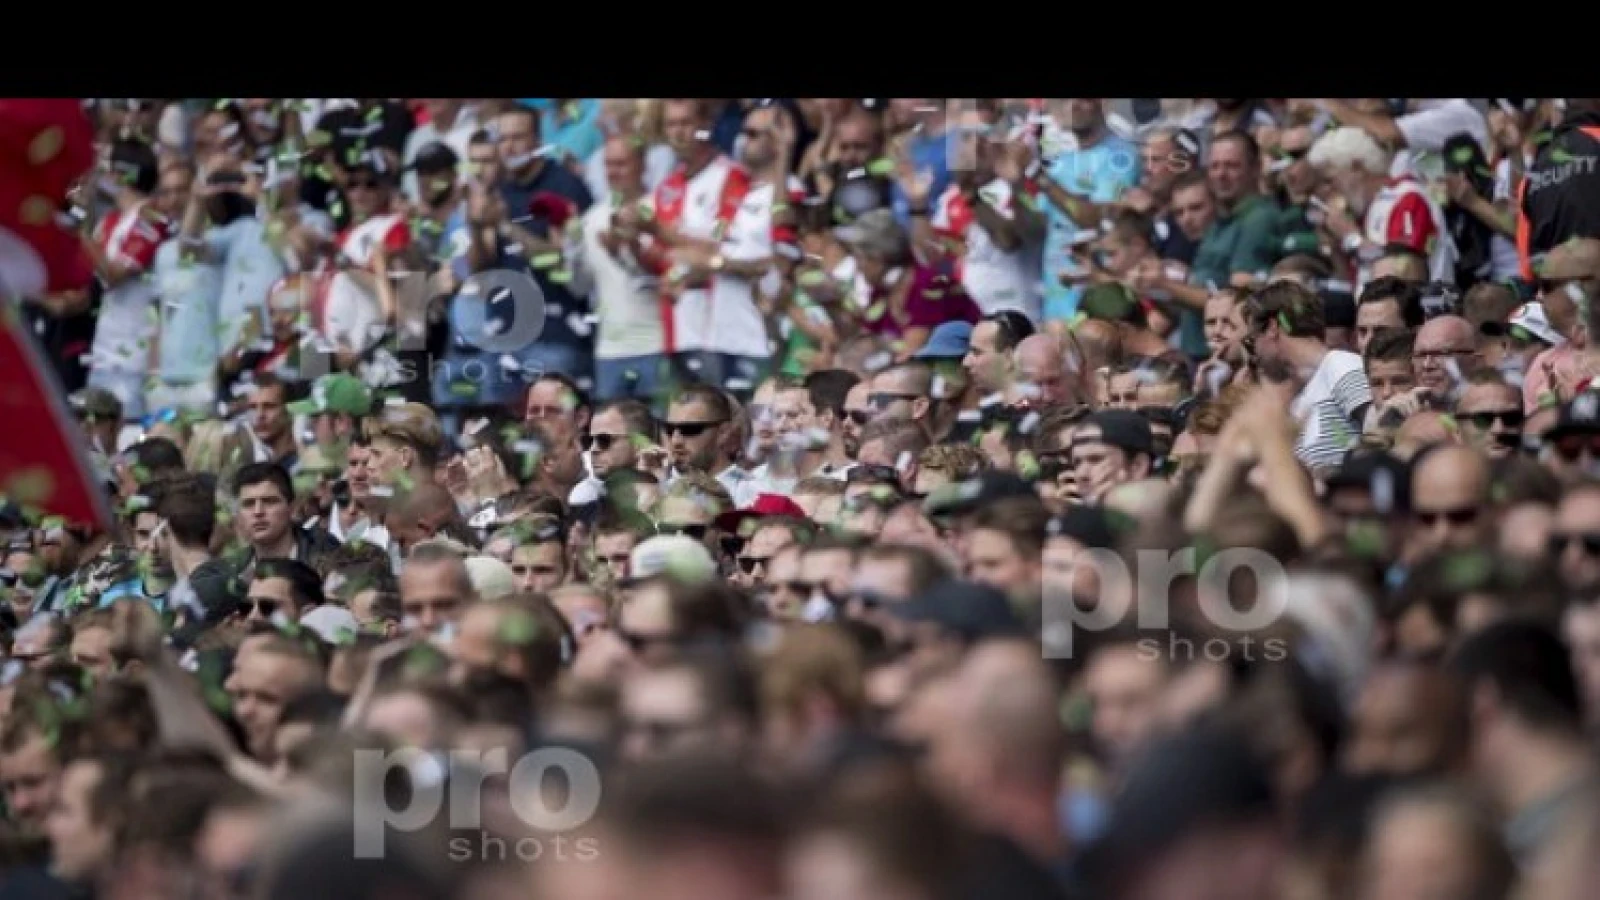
(927, 154)
(1100, 174)
(189, 293)
(573, 128)
(249, 270)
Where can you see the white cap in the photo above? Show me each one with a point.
(491, 578)
(680, 556)
(329, 621)
(1530, 317)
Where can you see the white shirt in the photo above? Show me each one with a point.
(1403, 213)
(658, 162)
(1326, 409)
(1435, 122)
(626, 299)
(994, 278)
(723, 317)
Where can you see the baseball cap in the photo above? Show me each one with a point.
(764, 505)
(435, 157)
(1088, 525)
(1531, 318)
(875, 232)
(338, 393)
(1580, 415)
(97, 402)
(949, 340)
(491, 578)
(334, 624)
(1120, 428)
(1383, 475)
(966, 496)
(679, 556)
(971, 610)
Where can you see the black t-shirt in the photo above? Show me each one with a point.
(384, 124)
(1562, 188)
(1172, 243)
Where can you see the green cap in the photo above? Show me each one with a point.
(335, 394)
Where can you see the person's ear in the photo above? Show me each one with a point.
(1140, 465)
(919, 408)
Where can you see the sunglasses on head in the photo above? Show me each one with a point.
(1558, 543)
(1485, 419)
(689, 429)
(882, 400)
(1570, 447)
(698, 532)
(1465, 515)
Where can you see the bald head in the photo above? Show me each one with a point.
(1040, 360)
(1007, 698)
(1423, 429)
(1444, 343)
(419, 513)
(1449, 498)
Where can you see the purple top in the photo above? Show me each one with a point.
(935, 298)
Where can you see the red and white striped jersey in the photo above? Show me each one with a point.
(1402, 213)
(128, 238)
(352, 314)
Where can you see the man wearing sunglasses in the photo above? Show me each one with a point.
(1449, 501)
(280, 591)
(1490, 414)
(696, 435)
(616, 434)
(1572, 444)
(1575, 540)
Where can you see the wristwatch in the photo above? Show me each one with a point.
(716, 262)
(1352, 242)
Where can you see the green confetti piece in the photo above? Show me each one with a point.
(517, 628)
(1027, 465)
(881, 166)
(316, 137)
(1466, 571)
(546, 260)
(463, 389)
(560, 276)
(876, 311)
(1462, 155)
(810, 278)
(1449, 422)
(1559, 155)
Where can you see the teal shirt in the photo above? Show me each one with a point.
(189, 293)
(573, 129)
(1247, 241)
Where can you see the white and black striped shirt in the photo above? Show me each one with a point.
(1328, 408)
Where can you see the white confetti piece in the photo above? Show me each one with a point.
(394, 402)
(739, 384)
(381, 490)
(903, 463)
(990, 400)
(937, 388)
(969, 415)
(526, 447)
(877, 362)
(1029, 423)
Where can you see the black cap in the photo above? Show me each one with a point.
(1121, 428)
(966, 496)
(1088, 525)
(1379, 473)
(435, 157)
(973, 611)
(1580, 415)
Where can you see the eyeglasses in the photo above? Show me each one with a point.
(1464, 515)
(748, 564)
(859, 416)
(690, 429)
(601, 442)
(1485, 419)
(266, 607)
(698, 532)
(798, 587)
(866, 473)
(1440, 355)
(1572, 446)
(1590, 541)
(868, 599)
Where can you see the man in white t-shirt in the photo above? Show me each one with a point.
(630, 343)
(360, 300)
(1286, 326)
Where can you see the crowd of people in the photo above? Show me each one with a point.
(826, 498)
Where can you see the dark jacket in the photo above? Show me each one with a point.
(1559, 198)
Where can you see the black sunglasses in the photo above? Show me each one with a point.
(1570, 447)
(1485, 419)
(690, 429)
(882, 400)
(638, 643)
(860, 416)
(1461, 516)
(747, 564)
(601, 442)
(266, 606)
(698, 532)
(867, 473)
(1558, 543)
